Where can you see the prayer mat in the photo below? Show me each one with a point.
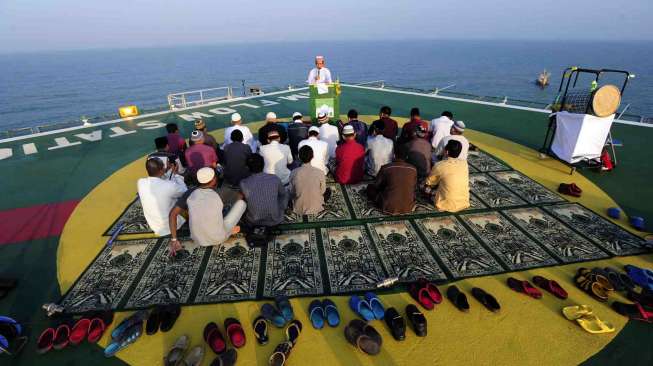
(461, 253)
(513, 248)
(290, 217)
(493, 194)
(352, 263)
(335, 208)
(402, 252)
(526, 188)
(293, 265)
(231, 272)
(484, 162)
(471, 168)
(602, 232)
(133, 219)
(106, 281)
(561, 241)
(364, 208)
(168, 280)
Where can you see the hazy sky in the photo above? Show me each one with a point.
(28, 25)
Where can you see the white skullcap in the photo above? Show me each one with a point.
(348, 130)
(314, 128)
(459, 126)
(296, 114)
(196, 136)
(271, 115)
(318, 57)
(235, 117)
(205, 175)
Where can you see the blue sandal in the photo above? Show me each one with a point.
(283, 304)
(129, 336)
(361, 307)
(641, 276)
(316, 314)
(273, 315)
(331, 312)
(376, 305)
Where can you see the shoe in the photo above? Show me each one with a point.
(176, 353)
(235, 332)
(135, 318)
(432, 290)
(214, 338)
(375, 305)
(361, 307)
(270, 313)
(363, 336)
(421, 295)
(127, 337)
(226, 359)
(396, 323)
(61, 337)
(486, 299)
(154, 320)
(45, 341)
(316, 314)
(96, 330)
(194, 357)
(417, 320)
(260, 326)
(169, 316)
(551, 286)
(331, 312)
(283, 304)
(79, 331)
(458, 298)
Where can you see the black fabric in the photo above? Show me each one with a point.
(263, 133)
(235, 161)
(296, 133)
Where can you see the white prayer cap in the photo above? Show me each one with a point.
(196, 136)
(459, 126)
(205, 175)
(235, 117)
(318, 57)
(314, 129)
(296, 114)
(270, 116)
(348, 130)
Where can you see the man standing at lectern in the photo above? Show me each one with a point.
(320, 74)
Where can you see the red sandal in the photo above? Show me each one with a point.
(524, 287)
(96, 330)
(421, 295)
(61, 337)
(235, 332)
(551, 286)
(46, 341)
(214, 338)
(79, 331)
(433, 291)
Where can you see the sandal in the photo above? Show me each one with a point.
(417, 320)
(640, 276)
(434, 293)
(421, 295)
(137, 317)
(621, 281)
(576, 311)
(235, 332)
(61, 337)
(260, 326)
(129, 336)
(280, 354)
(283, 304)
(634, 311)
(226, 359)
(176, 353)
(592, 324)
(316, 314)
(551, 286)
(293, 330)
(331, 312)
(214, 338)
(270, 313)
(489, 301)
(95, 330)
(45, 341)
(361, 307)
(363, 336)
(396, 323)
(375, 305)
(594, 289)
(524, 287)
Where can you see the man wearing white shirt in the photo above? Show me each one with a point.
(277, 157)
(320, 74)
(457, 131)
(320, 149)
(248, 139)
(440, 128)
(158, 195)
(380, 150)
(328, 133)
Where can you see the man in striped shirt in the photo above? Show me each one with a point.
(264, 193)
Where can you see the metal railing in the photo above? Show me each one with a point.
(199, 97)
(379, 83)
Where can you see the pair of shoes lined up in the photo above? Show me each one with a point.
(586, 319)
(323, 311)
(217, 341)
(368, 307)
(397, 324)
(570, 189)
(89, 327)
(594, 283)
(126, 333)
(459, 299)
(282, 350)
(642, 307)
(163, 318)
(280, 314)
(526, 288)
(179, 355)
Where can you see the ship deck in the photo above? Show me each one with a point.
(61, 190)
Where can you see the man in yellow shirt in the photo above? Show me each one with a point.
(451, 176)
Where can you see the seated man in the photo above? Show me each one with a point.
(408, 130)
(158, 195)
(350, 158)
(271, 125)
(307, 185)
(265, 195)
(248, 139)
(440, 128)
(418, 152)
(320, 149)
(393, 191)
(207, 225)
(199, 155)
(277, 157)
(297, 132)
(359, 127)
(456, 133)
(379, 151)
(328, 133)
(385, 124)
(208, 139)
(167, 158)
(451, 176)
(235, 159)
(176, 143)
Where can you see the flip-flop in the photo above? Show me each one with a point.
(421, 295)
(361, 307)
(363, 337)
(396, 323)
(293, 330)
(375, 305)
(592, 324)
(194, 357)
(154, 320)
(625, 282)
(551, 286)
(283, 304)
(331, 312)
(214, 338)
(458, 298)
(129, 336)
(576, 311)
(95, 330)
(235, 332)
(417, 320)
(594, 289)
(489, 301)
(280, 354)
(79, 331)
(45, 341)
(176, 353)
(316, 314)
(260, 326)
(169, 316)
(524, 287)
(433, 291)
(137, 317)
(226, 359)
(61, 337)
(634, 311)
(598, 275)
(270, 313)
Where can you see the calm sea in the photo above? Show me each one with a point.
(43, 88)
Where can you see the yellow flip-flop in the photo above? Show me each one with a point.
(592, 324)
(576, 311)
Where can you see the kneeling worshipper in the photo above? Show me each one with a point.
(393, 191)
(350, 158)
(328, 133)
(271, 125)
(167, 158)
(158, 195)
(418, 152)
(307, 185)
(380, 150)
(208, 139)
(207, 225)
(200, 155)
(408, 130)
(235, 159)
(451, 176)
(248, 139)
(297, 132)
(265, 195)
(440, 128)
(320, 149)
(456, 133)
(277, 157)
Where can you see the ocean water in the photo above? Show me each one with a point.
(44, 88)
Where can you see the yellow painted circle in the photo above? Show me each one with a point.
(525, 332)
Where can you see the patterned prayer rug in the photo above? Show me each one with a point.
(471, 168)
(484, 162)
(293, 265)
(168, 280)
(291, 217)
(402, 252)
(602, 232)
(133, 219)
(352, 263)
(493, 194)
(106, 281)
(526, 188)
(335, 208)
(459, 251)
(231, 273)
(564, 243)
(513, 248)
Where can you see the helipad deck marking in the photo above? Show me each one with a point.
(34, 222)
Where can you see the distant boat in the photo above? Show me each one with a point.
(543, 79)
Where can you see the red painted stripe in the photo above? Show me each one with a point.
(34, 222)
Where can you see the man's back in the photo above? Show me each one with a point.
(320, 153)
(158, 196)
(380, 153)
(452, 178)
(235, 156)
(418, 153)
(307, 186)
(263, 133)
(277, 157)
(297, 132)
(463, 141)
(350, 160)
(440, 128)
(205, 217)
(390, 127)
(330, 135)
(199, 156)
(265, 197)
(397, 182)
(248, 138)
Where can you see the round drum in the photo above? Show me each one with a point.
(606, 100)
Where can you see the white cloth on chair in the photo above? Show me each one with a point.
(580, 136)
